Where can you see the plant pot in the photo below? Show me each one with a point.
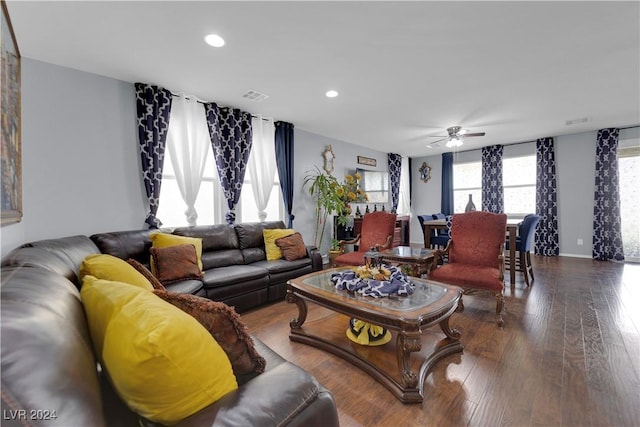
(332, 256)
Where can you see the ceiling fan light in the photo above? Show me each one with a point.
(454, 141)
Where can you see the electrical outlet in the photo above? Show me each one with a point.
(580, 242)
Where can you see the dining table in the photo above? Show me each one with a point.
(511, 233)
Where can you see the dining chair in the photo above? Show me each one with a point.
(476, 256)
(524, 240)
(376, 232)
(438, 238)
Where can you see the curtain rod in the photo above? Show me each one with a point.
(226, 108)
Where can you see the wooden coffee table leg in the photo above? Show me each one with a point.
(407, 343)
(448, 331)
(292, 298)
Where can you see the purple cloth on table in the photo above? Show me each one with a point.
(398, 283)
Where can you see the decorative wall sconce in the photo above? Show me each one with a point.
(329, 156)
(425, 172)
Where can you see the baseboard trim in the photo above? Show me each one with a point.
(576, 256)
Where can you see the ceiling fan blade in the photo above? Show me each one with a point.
(435, 142)
(466, 135)
(437, 136)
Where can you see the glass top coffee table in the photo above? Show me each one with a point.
(400, 365)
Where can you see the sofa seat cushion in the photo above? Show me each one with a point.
(282, 265)
(153, 352)
(185, 287)
(232, 274)
(468, 276)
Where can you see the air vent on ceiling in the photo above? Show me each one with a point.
(577, 121)
(255, 96)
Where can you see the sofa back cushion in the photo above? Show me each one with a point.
(214, 237)
(48, 362)
(220, 246)
(125, 244)
(73, 250)
(251, 239)
(221, 258)
(39, 257)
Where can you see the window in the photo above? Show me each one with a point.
(519, 183)
(172, 207)
(629, 176)
(210, 205)
(467, 180)
(249, 211)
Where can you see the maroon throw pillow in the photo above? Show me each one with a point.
(224, 325)
(146, 273)
(176, 263)
(292, 247)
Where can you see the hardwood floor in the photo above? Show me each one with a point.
(568, 355)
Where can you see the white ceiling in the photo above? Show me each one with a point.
(404, 70)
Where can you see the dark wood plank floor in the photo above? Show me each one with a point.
(568, 355)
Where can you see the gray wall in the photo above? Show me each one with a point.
(575, 168)
(80, 167)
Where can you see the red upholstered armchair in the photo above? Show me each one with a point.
(377, 231)
(476, 255)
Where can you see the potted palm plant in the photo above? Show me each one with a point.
(323, 189)
(331, 196)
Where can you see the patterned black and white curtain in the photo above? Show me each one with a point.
(492, 190)
(607, 235)
(153, 105)
(284, 160)
(546, 199)
(230, 132)
(395, 168)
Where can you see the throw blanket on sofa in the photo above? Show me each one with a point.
(398, 283)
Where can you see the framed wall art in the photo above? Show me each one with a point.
(11, 166)
(366, 161)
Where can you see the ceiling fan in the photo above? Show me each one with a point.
(455, 138)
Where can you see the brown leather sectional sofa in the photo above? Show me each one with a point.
(49, 370)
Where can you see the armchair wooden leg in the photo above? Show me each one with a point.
(499, 306)
(523, 268)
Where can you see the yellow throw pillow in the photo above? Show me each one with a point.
(270, 236)
(164, 240)
(162, 362)
(109, 267)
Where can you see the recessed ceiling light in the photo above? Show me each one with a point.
(331, 94)
(214, 40)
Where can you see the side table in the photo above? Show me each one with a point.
(417, 260)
